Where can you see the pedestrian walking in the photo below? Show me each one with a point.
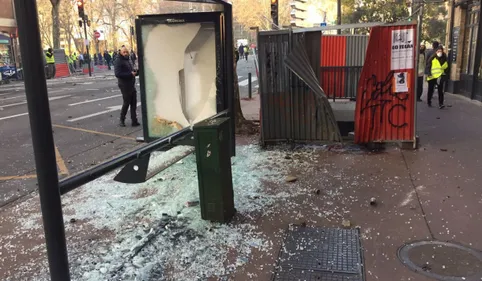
(81, 60)
(107, 59)
(421, 71)
(431, 52)
(74, 60)
(49, 57)
(126, 78)
(100, 59)
(241, 50)
(236, 54)
(71, 63)
(96, 62)
(246, 52)
(436, 70)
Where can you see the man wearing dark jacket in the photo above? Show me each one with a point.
(126, 77)
(107, 59)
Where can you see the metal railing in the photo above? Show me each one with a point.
(340, 82)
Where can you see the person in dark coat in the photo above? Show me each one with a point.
(99, 55)
(126, 77)
(107, 59)
(241, 50)
(236, 54)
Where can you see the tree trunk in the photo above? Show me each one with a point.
(243, 126)
(55, 23)
(238, 112)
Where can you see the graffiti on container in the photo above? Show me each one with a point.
(378, 96)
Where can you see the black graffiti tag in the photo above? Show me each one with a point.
(378, 96)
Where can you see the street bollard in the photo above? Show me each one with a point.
(250, 86)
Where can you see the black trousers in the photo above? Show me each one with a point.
(419, 87)
(431, 88)
(129, 96)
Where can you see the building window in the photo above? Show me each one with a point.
(480, 70)
(471, 31)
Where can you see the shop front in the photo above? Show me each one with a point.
(8, 67)
(466, 52)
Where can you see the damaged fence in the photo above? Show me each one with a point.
(368, 80)
(290, 111)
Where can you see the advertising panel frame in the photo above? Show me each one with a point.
(224, 94)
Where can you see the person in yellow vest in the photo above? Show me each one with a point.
(74, 60)
(437, 65)
(71, 63)
(49, 57)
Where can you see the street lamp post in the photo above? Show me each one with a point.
(338, 15)
(42, 138)
(85, 19)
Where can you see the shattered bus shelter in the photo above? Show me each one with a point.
(209, 33)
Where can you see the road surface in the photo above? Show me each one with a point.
(85, 116)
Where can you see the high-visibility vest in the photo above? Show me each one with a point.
(69, 59)
(73, 57)
(49, 59)
(437, 70)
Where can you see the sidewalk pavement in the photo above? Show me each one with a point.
(431, 193)
(250, 107)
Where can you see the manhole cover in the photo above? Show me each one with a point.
(442, 260)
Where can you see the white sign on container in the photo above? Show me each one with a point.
(401, 83)
(402, 49)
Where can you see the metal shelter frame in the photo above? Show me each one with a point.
(50, 188)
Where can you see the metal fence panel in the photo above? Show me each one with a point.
(288, 106)
(274, 86)
(356, 47)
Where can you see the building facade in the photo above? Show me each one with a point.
(8, 34)
(465, 43)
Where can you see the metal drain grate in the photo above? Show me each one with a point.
(324, 254)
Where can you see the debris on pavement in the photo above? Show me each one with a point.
(346, 223)
(373, 201)
(185, 248)
(291, 179)
(192, 203)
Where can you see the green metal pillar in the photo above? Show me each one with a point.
(213, 157)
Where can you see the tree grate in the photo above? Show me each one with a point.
(322, 254)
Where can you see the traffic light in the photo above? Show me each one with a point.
(274, 11)
(80, 6)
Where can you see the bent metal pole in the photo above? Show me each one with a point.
(42, 138)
